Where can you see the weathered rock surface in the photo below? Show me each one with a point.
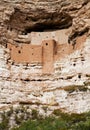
(24, 16)
(25, 83)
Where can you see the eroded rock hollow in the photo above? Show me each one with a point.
(45, 54)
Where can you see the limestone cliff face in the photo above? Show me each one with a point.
(31, 22)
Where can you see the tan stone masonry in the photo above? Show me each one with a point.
(27, 53)
(46, 53)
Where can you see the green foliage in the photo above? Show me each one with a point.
(10, 112)
(45, 108)
(87, 83)
(18, 120)
(46, 124)
(5, 122)
(34, 114)
(58, 121)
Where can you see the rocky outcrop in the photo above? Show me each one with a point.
(68, 88)
(25, 16)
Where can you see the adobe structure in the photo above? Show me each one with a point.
(45, 53)
(27, 53)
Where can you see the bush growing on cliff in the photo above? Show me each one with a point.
(4, 125)
(58, 121)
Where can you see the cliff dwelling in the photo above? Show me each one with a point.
(45, 53)
(27, 53)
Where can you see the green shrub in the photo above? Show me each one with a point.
(4, 125)
(34, 114)
(58, 121)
